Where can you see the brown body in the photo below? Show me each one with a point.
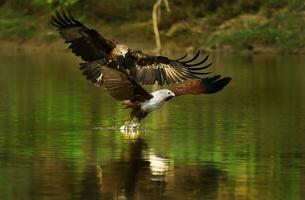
(136, 111)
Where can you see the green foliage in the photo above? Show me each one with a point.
(25, 19)
(297, 5)
(15, 25)
(284, 32)
(55, 2)
(119, 11)
(62, 2)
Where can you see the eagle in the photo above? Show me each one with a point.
(122, 71)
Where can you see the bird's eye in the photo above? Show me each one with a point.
(168, 93)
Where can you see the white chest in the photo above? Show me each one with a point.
(152, 104)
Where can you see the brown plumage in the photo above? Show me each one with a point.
(160, 69)
(84, 42)
(207, 85)
(121, 70)
(91, 46)
(122, 88)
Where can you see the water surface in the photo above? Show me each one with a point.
(59, 136)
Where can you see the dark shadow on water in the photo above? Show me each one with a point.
(141, 174)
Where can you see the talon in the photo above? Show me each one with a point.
(100, 78)
(129, 125)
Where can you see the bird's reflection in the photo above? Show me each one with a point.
(92, 183)
(140, 173)
(132, 174)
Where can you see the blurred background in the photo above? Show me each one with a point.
(59, 134)
(224, 25)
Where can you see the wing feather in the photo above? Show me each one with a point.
(151, 69)
(84, 42)
(92, 71)
(121, 87)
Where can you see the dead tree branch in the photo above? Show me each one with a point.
(157, 11)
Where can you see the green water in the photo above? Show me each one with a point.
(59, 136)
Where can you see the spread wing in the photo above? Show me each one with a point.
(151, 69)
(93, 71)
(117, 83)
(121, 87)
(207, 85)
(84, 42)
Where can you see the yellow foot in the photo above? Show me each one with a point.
(129, 126)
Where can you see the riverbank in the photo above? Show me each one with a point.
(261, 32)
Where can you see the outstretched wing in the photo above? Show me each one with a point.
(93, 71)
(84, 42)
(121, 87)
(207, 85)
(151, 69)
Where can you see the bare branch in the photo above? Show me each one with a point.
(155, 25)
(156, 15)
(167, 6)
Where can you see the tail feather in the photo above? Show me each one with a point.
(207, 85)
(214, 84)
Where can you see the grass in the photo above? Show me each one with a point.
(284, 32)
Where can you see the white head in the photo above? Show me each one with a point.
(121, 50)
(163, 94)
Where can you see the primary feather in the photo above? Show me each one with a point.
(160, 69)
(84, 42)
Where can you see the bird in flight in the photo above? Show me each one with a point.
(122, 70)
